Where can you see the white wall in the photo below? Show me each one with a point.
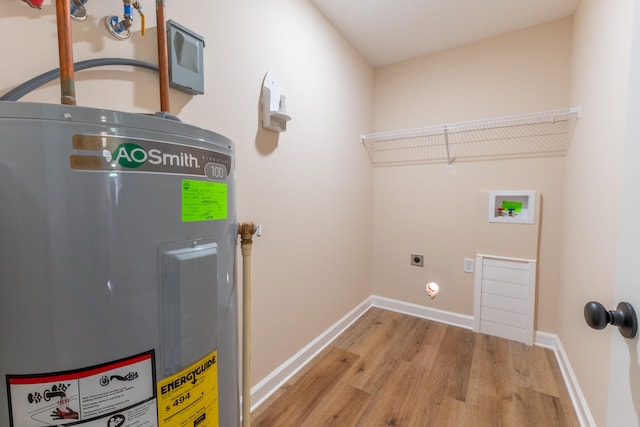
(599, 83)
(442, 212)
(310, 188)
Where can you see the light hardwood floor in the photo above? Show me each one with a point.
(391, 369)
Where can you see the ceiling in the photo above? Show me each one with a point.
(388, 31)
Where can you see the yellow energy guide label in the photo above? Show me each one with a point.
(190, 397)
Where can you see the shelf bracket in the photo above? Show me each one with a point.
(274, 105)
(446, 143)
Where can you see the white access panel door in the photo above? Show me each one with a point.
(504, 300)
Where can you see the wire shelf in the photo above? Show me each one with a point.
(521, 136)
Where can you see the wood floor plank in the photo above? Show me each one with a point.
(422, 342)
(308, 391)
(267, 404)
(379, 351)
(398, 397)
(529, 408)
(390, 369)
(532, 368)
(344, 407)
(447, 412)
(363, 326)
(449, 372)
(489, 381)
(384, 327)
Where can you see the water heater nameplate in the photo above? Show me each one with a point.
(110, 153)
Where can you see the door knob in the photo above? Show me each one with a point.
(624, 317)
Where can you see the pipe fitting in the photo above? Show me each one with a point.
(118, 28)
(121, 28)
(246, 230)
(78, 11)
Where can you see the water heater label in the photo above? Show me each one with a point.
(203, 201)
(120, 393)
(117, 154)
(190, 397)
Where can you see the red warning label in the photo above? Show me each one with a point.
(116, 394)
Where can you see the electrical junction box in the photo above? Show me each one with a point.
(186, 64)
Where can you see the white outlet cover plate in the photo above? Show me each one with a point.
(468, 265)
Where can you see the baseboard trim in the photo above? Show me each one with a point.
(272, 382)
(421, 311)
(552, 341)
(547, 340)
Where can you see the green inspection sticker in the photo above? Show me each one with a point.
(203, 201)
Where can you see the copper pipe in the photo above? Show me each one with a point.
(163, 58)
(65, 53)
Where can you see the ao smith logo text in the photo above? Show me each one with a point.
(117, 154)
(190, 377)
(130, 155)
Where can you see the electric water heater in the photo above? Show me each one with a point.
(118, 296)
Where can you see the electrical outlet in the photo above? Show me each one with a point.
(417, 260)
(468, 265)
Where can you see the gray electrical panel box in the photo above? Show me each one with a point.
(186, 65)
